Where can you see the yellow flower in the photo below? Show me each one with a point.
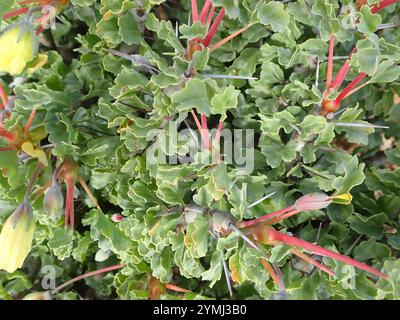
(16, 238)
(18, 46)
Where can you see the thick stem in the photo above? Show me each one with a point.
(350, 87)
(15, 13)
(330, 62)
(382, 5)
(204, 11)
(356, 89)
(195, 16)
(210, 16)
(3, 97)
(213, 29)
(9, 136)
(69, 204)
(87, 275)
(295, 242)
(337, 82)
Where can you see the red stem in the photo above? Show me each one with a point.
(330, 62)
(28, 1)
(210, 15)
(3, 96)
(29, 122)
(337, 82)
(175, 288)
(295, 242)
(313, 262)
(272, 273)
(230, 37)
(349, 87)
(204, 11)
(69, 204)
(211, 33)
(88, 274)
(6, 148)
(39, 30)
(283, 216)
(382, 5)
(15, 13)
(9, 136)
(245, 224)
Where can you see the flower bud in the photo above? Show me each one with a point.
(312, 201)
(16, 238)
(38, 296)
(18, 46)
(53, 201)
(116, 217)
(344, 198)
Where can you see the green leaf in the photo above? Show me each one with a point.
(196, 238)
(195, 95)
(128, 29)
(224, 101)
(368, 21)
(274, 14)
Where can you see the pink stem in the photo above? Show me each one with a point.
(199, 127)
(205, 131)
(214, 27)
(210, 15)
(245, 224)
(204, 11)
(350, 87)
(330, 62)
(219, 132)
(382, 5)
(195, 16)
(295, 242)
